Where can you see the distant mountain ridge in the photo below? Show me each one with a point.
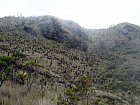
(68, 32)
(116, 36)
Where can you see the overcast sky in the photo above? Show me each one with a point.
(88, 13)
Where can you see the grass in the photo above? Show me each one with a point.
(15, 94)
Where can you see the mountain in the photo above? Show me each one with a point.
(124, 35)
(64, 31)
(121, 43)
(47, 60)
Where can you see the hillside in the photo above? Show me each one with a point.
(64, 31)
(122, 42)
(47, 60)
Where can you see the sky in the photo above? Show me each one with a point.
(88, 13)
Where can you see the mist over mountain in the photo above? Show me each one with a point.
(76, 66)
(64, 31)
(118, 36)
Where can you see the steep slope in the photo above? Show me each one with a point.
(64, 31)
(46, 60)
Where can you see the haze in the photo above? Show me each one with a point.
(88, 13)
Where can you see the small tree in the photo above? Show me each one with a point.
(21, 77)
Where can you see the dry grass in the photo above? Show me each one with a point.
(14, 94)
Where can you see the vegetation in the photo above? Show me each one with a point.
(49, 61)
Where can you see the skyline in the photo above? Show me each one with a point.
(88, 13)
